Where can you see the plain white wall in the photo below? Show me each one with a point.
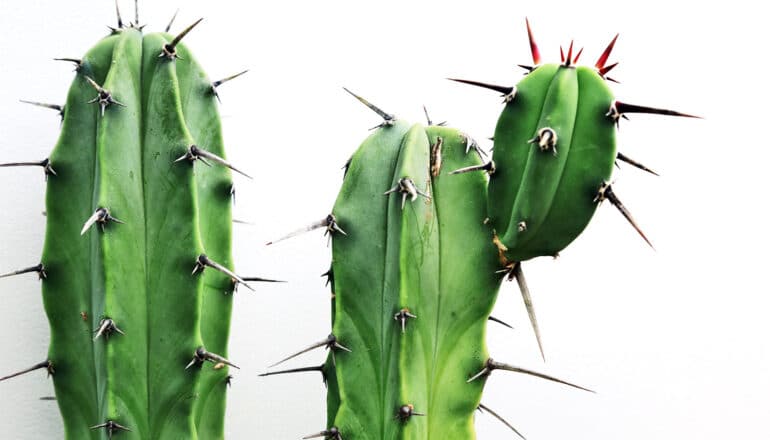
(673, 340)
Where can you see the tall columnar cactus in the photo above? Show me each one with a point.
(414, 280)
(139, 327)
(415, 275)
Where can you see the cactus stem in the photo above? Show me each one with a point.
(489, 167)
(169, 49)
(406, 187)
(201, 356)
(606, 193)
(388, 119)
(508, 93)
(405, 412)
(171, 22)
(492, 365)
(602, 61)
(39, 268)
(111, 427)
(330, 434)
(102, 217)
(435, 156)
(107, 327)
(57, 107)
(532, 45)
(483, 408)
(546, 139)
(204, 261)
(104, 97)
(194, 153)
(499, 321)
(619, 109)
(632, 162)
(402, 316)
(45, 364)
(218, 83)
(329, 222)
(330, 343)
(45, 163)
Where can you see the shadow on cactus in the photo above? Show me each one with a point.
(420, 244)
(137, 269)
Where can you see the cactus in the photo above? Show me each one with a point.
(414, 281)
(415, 276)
(554, 153)
(139, 328)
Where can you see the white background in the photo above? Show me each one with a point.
(673, 340)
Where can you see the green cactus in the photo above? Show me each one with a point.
(542, 197)
(414, 281)
(134, 317)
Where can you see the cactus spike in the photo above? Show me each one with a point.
(169, 49)
(532, 45)
(294, 370)
(402, 316)
(427, 117)
(45, 163)
(515, 272)
(194, 153)
(262, 280)
(120, 19)
(405, 412)
(602, 61)
(500, 321)
(491, 365)
(577, 57)
(45, 364)
(482, 408)
(507, 93)
(171, 22)
(107, 327)
(606, 193)
(201, 356)
(111, 427)
(39, 268)
(57, 107)
(604, 70)
(568, 60)
(103, 98)
(204, 261)
(330, 343)
(546, 139)
(561, 54)
(387, 118)
(634, 163)
(406, 187)
(218, 83)
(329, 434)
(489, 167)
(136, 13)
(329, 222)
(471, 144)
(619, 109)
(102, 217)
(78, 62)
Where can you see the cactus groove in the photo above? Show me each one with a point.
(139, 327)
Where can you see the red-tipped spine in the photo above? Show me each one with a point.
(533, 45)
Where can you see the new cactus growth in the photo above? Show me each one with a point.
(414, 280)
(554, 153)
(136, 267)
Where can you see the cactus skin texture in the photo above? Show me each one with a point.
(126, 314)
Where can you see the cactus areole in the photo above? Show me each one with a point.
(139, 327)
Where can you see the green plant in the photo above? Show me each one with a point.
(415, 275)
(132, 224)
